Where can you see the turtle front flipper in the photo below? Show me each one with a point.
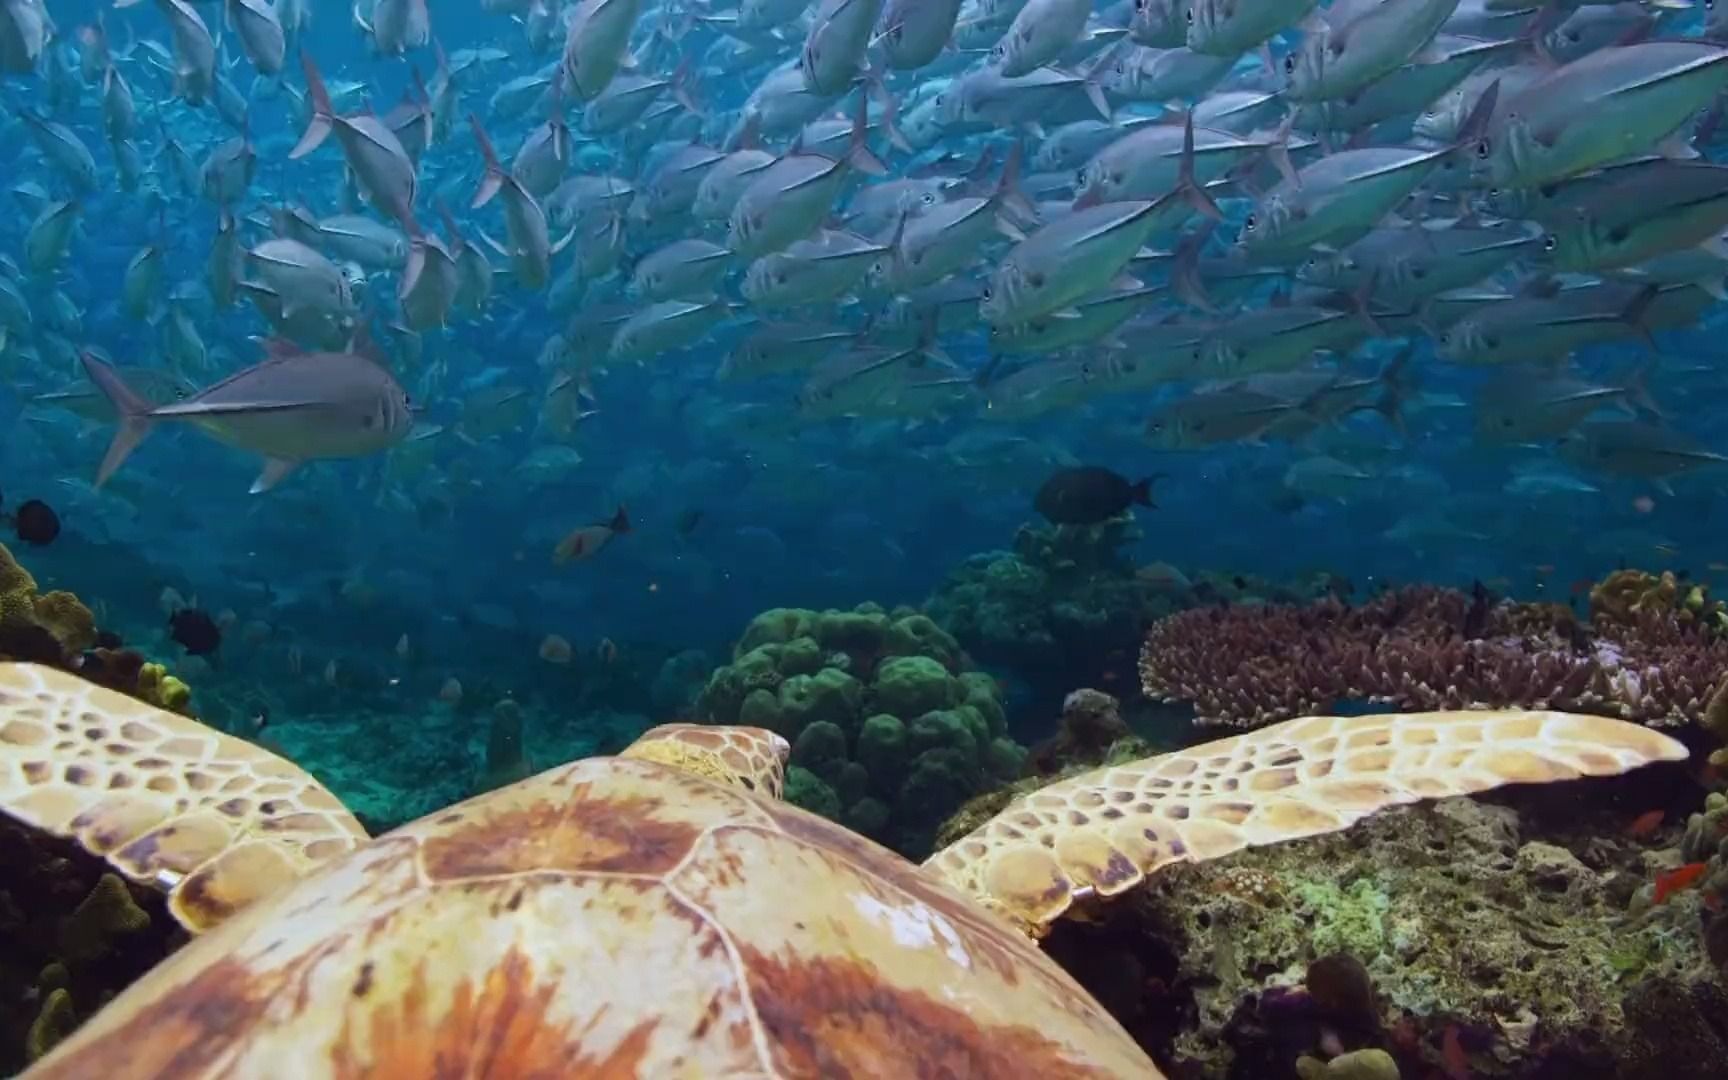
(213, 821)
(1100, 833)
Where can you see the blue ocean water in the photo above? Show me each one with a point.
(399, 571)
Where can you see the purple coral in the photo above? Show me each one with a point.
(1430, 648)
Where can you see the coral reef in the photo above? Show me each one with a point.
(1510, 939)
(889, 732)
(1706, 841)
(506, 755)
(1091, 724)
(72, 935)
(57, 629)
(1627, 597)
(48, 628)
(1091, 733)
(1064, 607)
(1638, 658)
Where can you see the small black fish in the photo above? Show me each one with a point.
(36, 523)
(195, 631)
(1089, 494)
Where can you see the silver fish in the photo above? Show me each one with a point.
(1613, 103)
(833, 52)
(598, 34)
(293, 407)
(379, 163)
(1340, 57)
(194, 65)
(914, 32)
(260, 32)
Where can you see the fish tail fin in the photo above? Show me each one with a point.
(1638, 396)
(1396, 385)
(858, 153)
(877, 81)
(1142, 491)
(1093, 85)
(323, 113)
(1279, 152)
(1362, 303)
(683, 87)
(1195, 195)
(620, 522)
(1185, 278)
(928, 330)
(494, 180)
(134, 411)
(1635, 311)
(1009, 194)
(1481, 115)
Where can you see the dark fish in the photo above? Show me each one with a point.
(1089, 494)
(688, 520)
(196, 631)
(36, 523)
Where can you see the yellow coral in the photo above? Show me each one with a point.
(53, 1023)
(163, 690)
(66, 617)
(17, 590)
(1623, 594)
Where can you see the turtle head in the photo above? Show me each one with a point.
(747, 757)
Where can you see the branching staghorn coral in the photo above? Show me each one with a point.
(1430, 648)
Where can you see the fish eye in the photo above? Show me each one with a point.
(1248, 224)
(1549, 243)
(1290, 64)
(929, 198)
(1482, 150)
(1190, 16)
(985, 295)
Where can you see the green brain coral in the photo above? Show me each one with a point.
(889, 735)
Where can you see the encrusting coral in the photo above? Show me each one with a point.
(58, 629)
(889, 732)
(1643, 656)
(48, 627)
(1065, 606)
(72, 935)
(1508, 928)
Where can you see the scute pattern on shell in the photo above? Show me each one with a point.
(613, 917)
(213, 820)
(1099, 834)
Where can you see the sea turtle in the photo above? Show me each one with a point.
(662, 913)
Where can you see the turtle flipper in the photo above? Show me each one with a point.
(213, 821)
(1101, 833)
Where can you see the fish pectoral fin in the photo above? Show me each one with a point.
(274, 470)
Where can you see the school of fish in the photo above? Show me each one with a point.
(1246, 221)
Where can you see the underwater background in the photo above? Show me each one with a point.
(575, 542)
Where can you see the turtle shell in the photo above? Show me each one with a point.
(613, 918)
